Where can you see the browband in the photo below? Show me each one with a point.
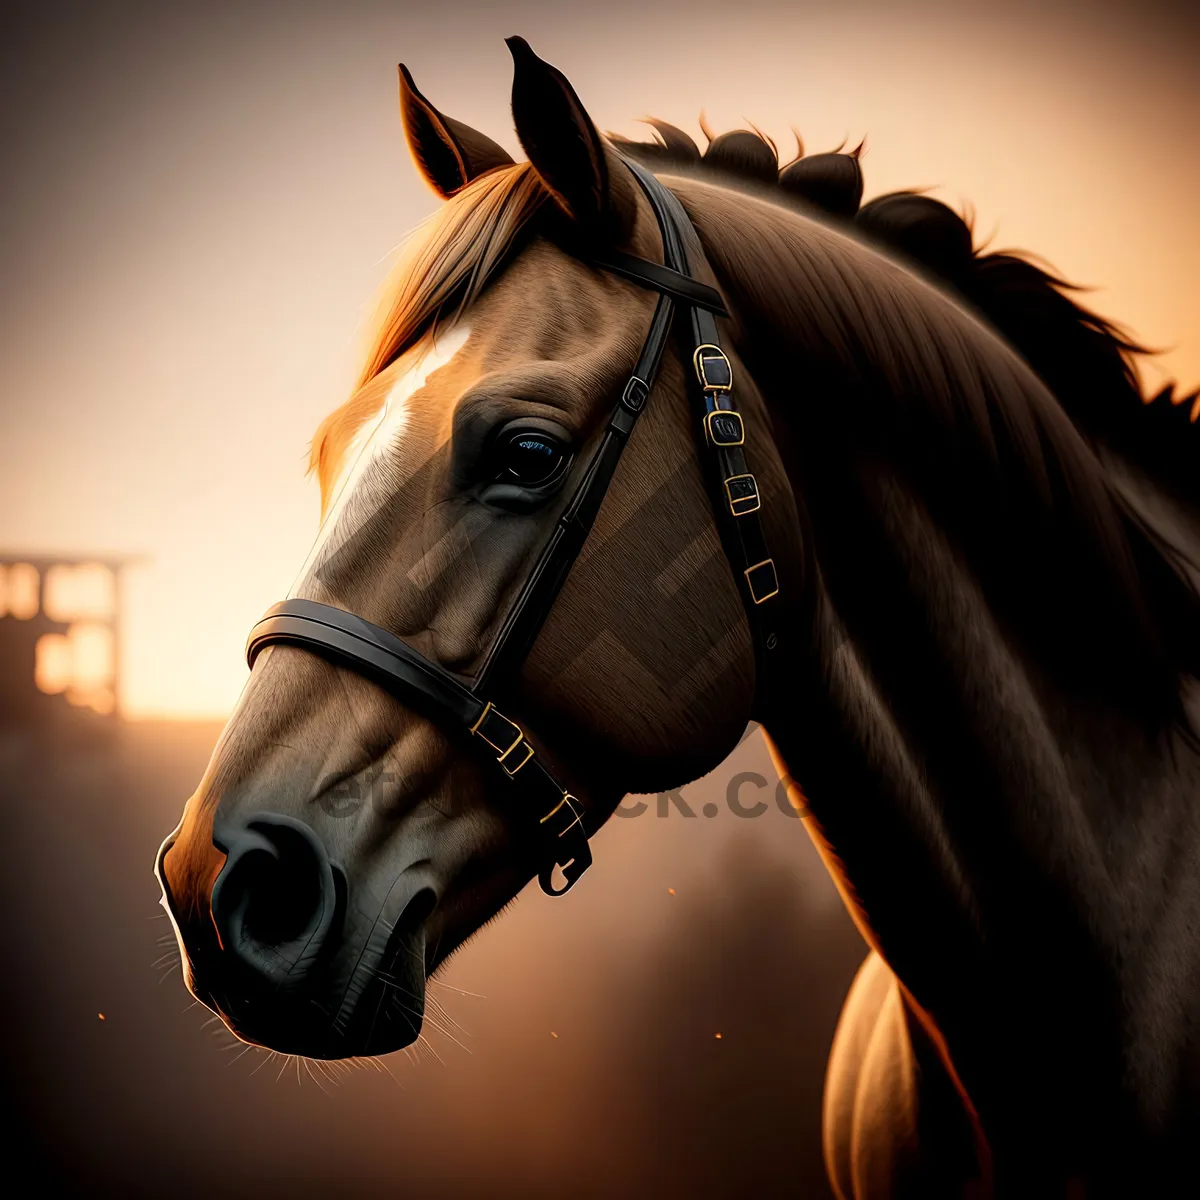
(553, 812)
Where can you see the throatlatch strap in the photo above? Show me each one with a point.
(733, 488)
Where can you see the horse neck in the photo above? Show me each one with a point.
(996, 835)
(1019, 865)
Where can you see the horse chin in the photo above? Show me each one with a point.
(386, 1015)
(385, 1018)
(370, 1001)
(330, 1047)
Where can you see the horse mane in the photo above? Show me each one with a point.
(903, 382)
(444, 267)
(1115, 607)
(1088, 362)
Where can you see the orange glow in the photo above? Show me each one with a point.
(52, 663)
(80, 663)
(717, 1036)
(74, 593)
(91, 653)
(796, 797)
(21, 592)
(670, 891)
(99, 700)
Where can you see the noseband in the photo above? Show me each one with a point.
(553, 814)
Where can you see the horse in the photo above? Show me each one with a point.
(984, 695)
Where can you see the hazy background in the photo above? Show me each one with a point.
(197, 203)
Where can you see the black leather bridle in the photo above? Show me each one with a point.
(552, 811)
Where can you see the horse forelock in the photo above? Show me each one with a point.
(444, 266)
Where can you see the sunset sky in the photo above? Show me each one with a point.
(200, 201)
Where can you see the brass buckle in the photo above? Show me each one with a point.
(553, 810)
(513, 770)
(489, 709)
(566, 799)
(502, 752)
(707, 357)
(769, 563)
(724, 427)
(742, 491)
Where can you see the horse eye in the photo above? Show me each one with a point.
(530, 458)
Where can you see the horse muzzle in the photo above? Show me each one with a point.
(289, 959)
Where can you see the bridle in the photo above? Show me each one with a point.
(553, 812)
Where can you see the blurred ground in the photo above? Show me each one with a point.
(635, 1096)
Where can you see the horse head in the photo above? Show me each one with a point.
(344, 840)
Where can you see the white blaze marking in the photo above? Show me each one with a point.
(376, 437)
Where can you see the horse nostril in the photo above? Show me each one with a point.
(276, 897)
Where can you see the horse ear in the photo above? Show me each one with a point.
(448, 153)
(582, 173)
